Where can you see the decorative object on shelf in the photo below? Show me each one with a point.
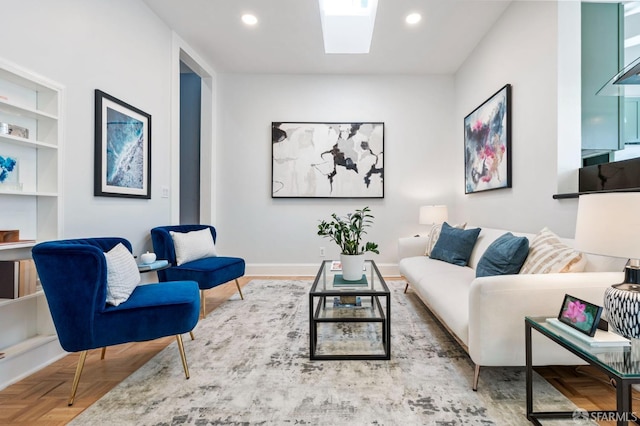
(9, 236)
(9, 172)
(13, 130)
(327, 160)
(17, 278)
(607, 224)
(122, 149)
(487, 144)
(347, 233)
(347, 302)
(148, 257)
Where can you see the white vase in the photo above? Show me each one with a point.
(352, 265)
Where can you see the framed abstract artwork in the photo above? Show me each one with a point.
(327, 160)
(122, 164)
(487, 144)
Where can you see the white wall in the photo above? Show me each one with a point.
(122, 48)
(521, 49)
(420, 148)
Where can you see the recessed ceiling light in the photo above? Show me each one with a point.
(413, 18)
(249, 19)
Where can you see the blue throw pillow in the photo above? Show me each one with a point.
(503, 256)
(455, 245)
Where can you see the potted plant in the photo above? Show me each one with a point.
(347, 233)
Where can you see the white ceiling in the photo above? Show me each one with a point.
(288, 36)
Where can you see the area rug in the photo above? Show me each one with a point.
(250, 365)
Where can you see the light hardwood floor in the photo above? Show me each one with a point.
(41, 399)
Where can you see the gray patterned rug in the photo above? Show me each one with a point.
(250, 365)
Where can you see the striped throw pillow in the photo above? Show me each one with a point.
(547, 254)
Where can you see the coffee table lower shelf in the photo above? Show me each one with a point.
(377, 315)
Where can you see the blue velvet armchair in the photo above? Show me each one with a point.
(208, 272)
(73, 274)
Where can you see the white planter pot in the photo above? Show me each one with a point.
(352, 265)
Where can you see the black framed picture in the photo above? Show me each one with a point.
(487, 144)
(579, 314)
(122, 164)
(327, 160)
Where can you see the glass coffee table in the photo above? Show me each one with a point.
(349, 320)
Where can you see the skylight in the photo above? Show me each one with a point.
(347, 25)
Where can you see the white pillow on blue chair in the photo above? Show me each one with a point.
(123, 275)
(193, 245)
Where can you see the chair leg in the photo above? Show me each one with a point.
(104, 351)
(192, 336)
(406, 287)
(476, 377)
(76, 378)
(239, 289)
(182, 355)
(203, 303)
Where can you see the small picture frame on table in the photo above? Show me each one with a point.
(580, 315)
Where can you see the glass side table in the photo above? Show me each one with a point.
(621, 364)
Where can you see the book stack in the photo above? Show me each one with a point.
(17, 278)
(339, 281)
(602, 339)
(341, 302)
(153, 265)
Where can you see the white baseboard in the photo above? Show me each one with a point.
(305, 269)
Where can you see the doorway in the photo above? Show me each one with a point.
(190, 144)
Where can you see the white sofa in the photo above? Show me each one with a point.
(486, 315)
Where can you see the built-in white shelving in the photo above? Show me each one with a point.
(32, 205)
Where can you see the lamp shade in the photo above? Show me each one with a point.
(609, 224)
(432, 214)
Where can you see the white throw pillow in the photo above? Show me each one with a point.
(434, 234)
(122, 274)
(547, 254)
(193, 245)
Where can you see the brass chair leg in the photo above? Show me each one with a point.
(192, 336)
(476, 377)
(406, 287)
(76, 378)
(104, 351)
(182, 355)
(203, 303)
(239, 289)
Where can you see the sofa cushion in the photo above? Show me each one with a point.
(123, 275)
(504, 256)
(547, 254)
(455, 245)
(434, 233)
(444, 287)
(193, 245)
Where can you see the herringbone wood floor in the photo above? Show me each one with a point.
(41, 399)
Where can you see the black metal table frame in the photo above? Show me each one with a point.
(623, 412)
(314, 319)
